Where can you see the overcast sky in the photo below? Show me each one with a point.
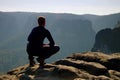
(99, 7)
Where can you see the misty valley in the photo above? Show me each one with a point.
(73, 33)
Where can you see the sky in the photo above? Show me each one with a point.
(98, 7)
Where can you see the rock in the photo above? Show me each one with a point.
(111, 61)
(114, 63)
(79, 66)
(114, 74)
(65, 71)
(25, 77)
(18, 70)
(91, 57)
(107, 40)
(79, 79)
(95, 78)
(91, 67)
(8, 77)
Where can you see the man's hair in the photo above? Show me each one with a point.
(41, 21)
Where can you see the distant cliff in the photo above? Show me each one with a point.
(79, 66)
(108, 40)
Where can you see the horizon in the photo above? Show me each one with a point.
(95, 7)
(58, 13)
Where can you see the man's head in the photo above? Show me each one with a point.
(41, 21)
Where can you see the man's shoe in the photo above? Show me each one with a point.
(41, 67)
(38, 60)
(32, 63)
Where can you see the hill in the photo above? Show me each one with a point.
(79, 66)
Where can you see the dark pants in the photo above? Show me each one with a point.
(42, 53)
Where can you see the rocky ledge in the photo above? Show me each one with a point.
(79, 66)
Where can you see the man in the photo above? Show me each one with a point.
(36, 47)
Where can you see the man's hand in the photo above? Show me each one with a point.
(46, 45)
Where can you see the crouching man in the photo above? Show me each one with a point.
(36, 47)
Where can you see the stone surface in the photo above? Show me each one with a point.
(79, 66)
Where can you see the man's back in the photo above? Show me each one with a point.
(38, 35)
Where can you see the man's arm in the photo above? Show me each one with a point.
(49, 37)
(30, 37)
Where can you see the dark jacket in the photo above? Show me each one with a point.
(37, 36)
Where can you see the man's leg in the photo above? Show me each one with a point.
(31, 60)
(49, 51)
(46, 53)
(30, 56)
(41, 60)
(55, 49)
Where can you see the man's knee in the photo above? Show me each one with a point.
(56, 49)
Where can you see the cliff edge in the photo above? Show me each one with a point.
(79, 66)
(108, 40)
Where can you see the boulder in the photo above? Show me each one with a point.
(91, 67)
